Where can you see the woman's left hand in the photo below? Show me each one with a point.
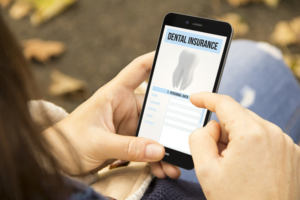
(104, 126)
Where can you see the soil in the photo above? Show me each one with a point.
(102, 37)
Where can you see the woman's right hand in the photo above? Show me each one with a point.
(243, 156)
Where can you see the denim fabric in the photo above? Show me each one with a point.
(256, 76)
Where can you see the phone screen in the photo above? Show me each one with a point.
(187, 62)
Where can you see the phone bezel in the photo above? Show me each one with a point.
(172, 156)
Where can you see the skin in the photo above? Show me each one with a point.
(104, 127)
(243, 156)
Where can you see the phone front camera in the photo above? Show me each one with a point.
(187, 22)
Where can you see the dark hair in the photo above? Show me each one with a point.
(22, 175)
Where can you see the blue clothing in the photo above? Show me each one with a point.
(256, 76)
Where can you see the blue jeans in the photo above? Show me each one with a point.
(256, 76)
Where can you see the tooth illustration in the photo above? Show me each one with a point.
(184, 72)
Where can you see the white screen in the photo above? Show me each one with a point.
(188, 62)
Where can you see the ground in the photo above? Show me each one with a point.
(102, 37)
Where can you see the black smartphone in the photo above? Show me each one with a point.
(190, 58)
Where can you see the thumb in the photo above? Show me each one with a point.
(203, 143)
(132, 148)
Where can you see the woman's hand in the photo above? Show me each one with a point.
(104, 127)
(243, 156)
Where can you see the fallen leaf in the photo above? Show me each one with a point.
(236, 3)
(46, 9)
(41, 50)
(63, 84)
(19, 10)
(4, 3)
(238, 25)
(119, 163)
(293, 62)
(295, 25)
(289, 60)
(271, 3)
(287, 32)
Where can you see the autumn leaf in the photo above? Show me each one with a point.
(63, 84)
(295, 25)
(269, 3)
(293, 62)
(4, 3)
(46, 9)
(239, 26)
(19, 10)
(41, 50)
(287, 32)
(236, 3)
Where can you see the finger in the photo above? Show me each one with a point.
(139, 101)
(171, 170)
(136, 72)
(157, 170)
(131, 148)
(203, 143)
(230, 113)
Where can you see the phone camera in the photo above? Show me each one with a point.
(187, 22)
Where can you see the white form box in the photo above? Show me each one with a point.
(175, 139)
(184, 111)
(180, 124)
(182, 117)
(182, 103)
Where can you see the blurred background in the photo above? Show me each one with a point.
(75, 47)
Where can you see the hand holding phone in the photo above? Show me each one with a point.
(190, 58)
(250, 158)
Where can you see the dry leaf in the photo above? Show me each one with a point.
(293, 61)
(236, 3)
(287, 33)
(19, 10)
(239, 26)
(41, 50)
(289, 60)
(119, 163)
(283, 34)
(46, 9)
(63, 84)
(295, 25)
(4, 3)
(270, 3)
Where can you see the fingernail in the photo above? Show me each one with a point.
(154, 151)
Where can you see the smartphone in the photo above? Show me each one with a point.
(190, 58)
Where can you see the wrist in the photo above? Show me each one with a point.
(62, 150)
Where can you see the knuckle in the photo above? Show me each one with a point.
(227, 98)
(194, 136)
(289, 141)
(275, 130)
(132, 150)
(258, 132)
(140, 62)
(223, 103)
(203, 171)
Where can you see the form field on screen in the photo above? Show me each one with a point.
(180, 124)
(182, 103)
(182, 117)
(184, 111)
